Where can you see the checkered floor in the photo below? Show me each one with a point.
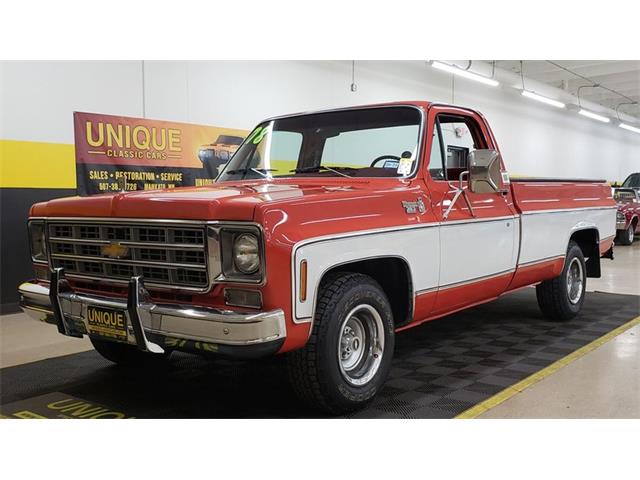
(440, 368)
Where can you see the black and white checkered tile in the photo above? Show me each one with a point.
(440, 368)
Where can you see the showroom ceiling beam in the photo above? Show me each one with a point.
(542, 70)
(589, 79)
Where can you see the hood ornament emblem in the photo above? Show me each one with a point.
(414, 207)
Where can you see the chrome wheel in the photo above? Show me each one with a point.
(575, 281)
(361, 344)
(630, 233)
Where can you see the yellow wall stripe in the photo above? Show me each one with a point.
(509, 392)
(37, 165)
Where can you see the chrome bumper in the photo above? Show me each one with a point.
(154, 327)
(621, 225)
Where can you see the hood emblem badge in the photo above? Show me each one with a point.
(114, 250)
(414, 207)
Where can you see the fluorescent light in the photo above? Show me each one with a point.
(465, 73)
(629, 127)
(542, 99)
(595, 116)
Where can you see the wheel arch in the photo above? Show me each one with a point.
(588, 239)
(393, 274)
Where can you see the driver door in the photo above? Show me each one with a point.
(479, 232)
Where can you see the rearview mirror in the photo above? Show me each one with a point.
(484, 171)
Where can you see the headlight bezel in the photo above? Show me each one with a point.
(229, 234)
(39, 252)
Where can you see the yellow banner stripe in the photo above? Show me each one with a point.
(37, 165)
(509, 392)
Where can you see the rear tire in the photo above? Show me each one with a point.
(128, 355)
(561, 298)
(348, 355)
(625, 237)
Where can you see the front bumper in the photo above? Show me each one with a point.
(621, 225)
(156, 327)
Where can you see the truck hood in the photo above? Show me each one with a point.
(229, 201)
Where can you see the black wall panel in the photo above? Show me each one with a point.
(15, 260)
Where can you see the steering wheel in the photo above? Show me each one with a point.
(384, 157)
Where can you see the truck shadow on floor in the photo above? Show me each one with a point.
(439, 370)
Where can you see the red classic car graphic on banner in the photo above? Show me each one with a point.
(115, 153)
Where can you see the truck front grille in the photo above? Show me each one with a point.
(173, 255)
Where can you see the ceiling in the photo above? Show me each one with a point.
(622, 76)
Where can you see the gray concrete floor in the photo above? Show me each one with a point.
(605, 383)
(24, 340)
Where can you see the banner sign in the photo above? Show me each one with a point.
(115, 153)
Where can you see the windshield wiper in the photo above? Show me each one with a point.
(259, 171)
(317, 168)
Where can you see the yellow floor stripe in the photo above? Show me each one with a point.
(37, 165)
(509, 392)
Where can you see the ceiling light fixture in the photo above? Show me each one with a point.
(535, 96)
(595, 116)
(621, 124)
(629, 127)
(587, 113)
(465, 73)
(542, 99)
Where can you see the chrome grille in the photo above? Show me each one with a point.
(164, 254)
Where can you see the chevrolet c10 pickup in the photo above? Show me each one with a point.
(324, 235)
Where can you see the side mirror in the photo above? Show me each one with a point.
(484, 171)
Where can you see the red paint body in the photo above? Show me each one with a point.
(294, 209)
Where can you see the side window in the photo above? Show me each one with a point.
(436, 163)
(460, 137)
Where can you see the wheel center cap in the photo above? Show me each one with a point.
(355, 344)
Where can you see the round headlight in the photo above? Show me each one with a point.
(246, 254)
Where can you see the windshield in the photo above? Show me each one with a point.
(632, 181)
(624, 195)
(375, 142)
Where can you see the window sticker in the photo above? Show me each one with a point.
(505, 177)
(391, 164)
(404, 167)
(260, 136)
(253, 134)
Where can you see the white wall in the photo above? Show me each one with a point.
(37, 99)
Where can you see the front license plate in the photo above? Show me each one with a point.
(107, 322)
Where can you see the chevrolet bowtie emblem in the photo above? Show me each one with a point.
(114, 250)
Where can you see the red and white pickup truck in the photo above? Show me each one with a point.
(324, 235)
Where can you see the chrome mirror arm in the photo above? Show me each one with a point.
(459, 191)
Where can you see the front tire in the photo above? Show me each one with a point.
(625, 237)
(348, 355)
(126, 355)
(561, 298)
